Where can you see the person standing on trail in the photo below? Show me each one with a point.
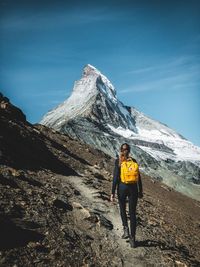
(128, 181)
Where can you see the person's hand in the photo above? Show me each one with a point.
(140, 194)
(112, 198)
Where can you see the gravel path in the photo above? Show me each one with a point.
(94, 201)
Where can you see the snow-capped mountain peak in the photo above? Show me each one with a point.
(102, 82)
(83, 96)
(90, 70)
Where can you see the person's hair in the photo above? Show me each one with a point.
(129, 149)
(122, 157)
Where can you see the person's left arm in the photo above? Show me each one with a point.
(140, 187)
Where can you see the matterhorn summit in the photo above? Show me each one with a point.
(93, 114)
(94, 95)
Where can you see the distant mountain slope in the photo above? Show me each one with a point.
(94, 115)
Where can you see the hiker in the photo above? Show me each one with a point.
(127, 179)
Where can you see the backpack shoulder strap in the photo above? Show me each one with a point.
(134, 160)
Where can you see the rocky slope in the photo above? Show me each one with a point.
(55, 209)
(94, 115)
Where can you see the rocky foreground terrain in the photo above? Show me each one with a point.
(55, 208)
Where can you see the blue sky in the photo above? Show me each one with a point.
(150, 50)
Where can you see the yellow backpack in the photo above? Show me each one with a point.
(129, 171)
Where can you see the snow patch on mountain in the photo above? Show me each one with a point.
(183, 149)
(145, 123)
(122, 131)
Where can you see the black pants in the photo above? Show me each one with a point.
(130, 191)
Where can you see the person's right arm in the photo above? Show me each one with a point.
(115, 179)
(139, 184)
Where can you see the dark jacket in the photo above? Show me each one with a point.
(116, 178)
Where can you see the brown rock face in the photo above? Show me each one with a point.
(55, 208)
(10, 111)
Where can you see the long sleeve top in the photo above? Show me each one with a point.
(116, 178)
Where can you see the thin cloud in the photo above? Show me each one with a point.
(142, 70)
(180, 62)
(50, 20)
(27, 75)
(183, 80)
(48, 93)
(182, 72)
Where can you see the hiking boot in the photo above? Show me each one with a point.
(126, 233)
(132, 242)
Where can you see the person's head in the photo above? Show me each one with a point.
(125, 150)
